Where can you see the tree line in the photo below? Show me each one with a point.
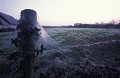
(112, 24)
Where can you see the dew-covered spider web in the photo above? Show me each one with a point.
(30, 21)
(45, 39)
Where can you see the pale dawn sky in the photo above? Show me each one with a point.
(65, 12)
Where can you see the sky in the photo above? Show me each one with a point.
(65, 12)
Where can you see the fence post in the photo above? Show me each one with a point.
(25, 42)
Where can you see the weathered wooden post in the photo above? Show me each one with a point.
(27, 36)
(25, 43)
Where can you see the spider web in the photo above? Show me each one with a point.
(45, 39)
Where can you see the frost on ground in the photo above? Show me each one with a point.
(81, 62)
(82, 53)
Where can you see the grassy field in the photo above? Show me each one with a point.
(80, 36)
(83, 50)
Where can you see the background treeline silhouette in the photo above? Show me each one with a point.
(112, 24)
(97, 25)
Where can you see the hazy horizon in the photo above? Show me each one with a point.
(65, 12)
